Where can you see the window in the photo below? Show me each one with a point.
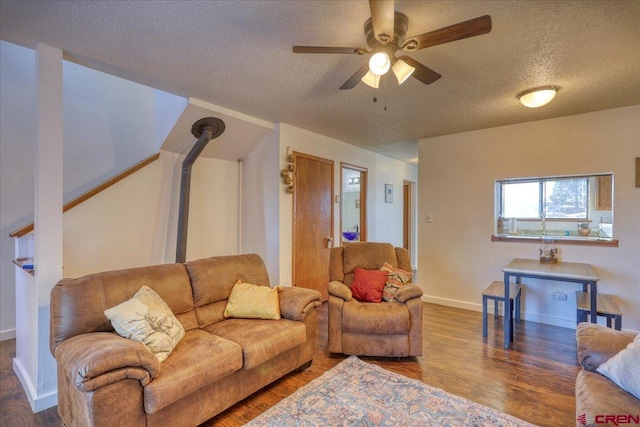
(544, 198)
(571, 209)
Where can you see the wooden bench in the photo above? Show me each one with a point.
(607, 307)
(495, 291)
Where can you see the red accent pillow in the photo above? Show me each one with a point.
(367, 285)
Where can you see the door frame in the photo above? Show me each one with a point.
(363, 199)
(408, 216)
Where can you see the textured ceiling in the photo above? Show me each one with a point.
(237, 55)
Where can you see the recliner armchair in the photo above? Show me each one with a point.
(392, 329)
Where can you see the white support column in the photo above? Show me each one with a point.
(34, 364)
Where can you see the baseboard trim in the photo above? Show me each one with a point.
(529, 317)
(38, 403)
(8, 334)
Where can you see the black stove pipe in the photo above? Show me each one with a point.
(205, 130)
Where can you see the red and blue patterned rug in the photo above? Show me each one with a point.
(358, 394)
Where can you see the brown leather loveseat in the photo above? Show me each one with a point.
(107, 380)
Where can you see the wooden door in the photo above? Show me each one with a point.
(406, 215)
(312, 222)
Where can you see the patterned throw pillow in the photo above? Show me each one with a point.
(148, 319)
(396, 278)
(624, 368)
(367, 285)
(249, 301)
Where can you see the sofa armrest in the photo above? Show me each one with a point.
(596, 344)
(340, 290)
(408, 291)
(296, 302)
(97, 359)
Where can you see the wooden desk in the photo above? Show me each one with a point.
(562, 271)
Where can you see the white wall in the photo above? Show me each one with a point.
(384, 220)
(134, 222)
(109, 125)
(18, 133)
(456, 184)
(261, 206)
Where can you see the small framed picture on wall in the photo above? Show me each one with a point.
(388, 193)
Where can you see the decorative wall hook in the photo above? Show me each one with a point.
(287, 173)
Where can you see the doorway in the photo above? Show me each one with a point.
(406, 216)
(353, 204)
(312, 222)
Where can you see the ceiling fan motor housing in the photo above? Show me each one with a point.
(401, 24)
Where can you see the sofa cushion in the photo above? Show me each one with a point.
(249, 301)
(624, 368)
(199, 359)
(78, 305)
(596, 344)
(596, 395)
(368, 285)
(146, 318)
(260, 340)
(213, 278)
(368, 255)
(386, 319)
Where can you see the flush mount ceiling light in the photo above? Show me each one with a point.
(537, 97)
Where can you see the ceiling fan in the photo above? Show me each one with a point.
(385, 32)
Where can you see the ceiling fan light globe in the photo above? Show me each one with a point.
(371, 79)
(402, 70)
(379, 63)
(538, 97)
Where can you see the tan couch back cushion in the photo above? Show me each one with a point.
(78, 305)
(213, 278)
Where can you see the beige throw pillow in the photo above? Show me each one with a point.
(148, 319)
(249, 301)
(624, 368)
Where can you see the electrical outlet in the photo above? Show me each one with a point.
(429, 217)
(559, 296)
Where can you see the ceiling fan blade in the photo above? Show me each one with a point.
(463, 30)
(422, 73)
(382, 17)
(322, 49)
(355, 79)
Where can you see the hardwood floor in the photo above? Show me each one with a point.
(534, 380)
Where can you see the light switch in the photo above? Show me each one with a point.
(429, 217)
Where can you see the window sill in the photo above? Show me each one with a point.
(580, 241)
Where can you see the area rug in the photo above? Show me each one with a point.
(358, 394)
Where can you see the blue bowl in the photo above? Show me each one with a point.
(350, 235)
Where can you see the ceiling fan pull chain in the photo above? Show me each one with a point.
(384, 93)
